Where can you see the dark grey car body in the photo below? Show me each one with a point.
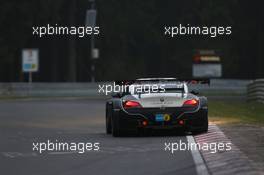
(153, 106)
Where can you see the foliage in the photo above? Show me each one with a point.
(131, 42)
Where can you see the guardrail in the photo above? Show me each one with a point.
(219, 89)
(255, 91)
(49, 89)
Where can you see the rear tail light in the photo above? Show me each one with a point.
(181, 122)
(192, 102)
(131, 104)
(145, 123)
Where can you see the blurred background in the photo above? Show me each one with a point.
(131, 43)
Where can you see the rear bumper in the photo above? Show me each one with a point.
(178, 119)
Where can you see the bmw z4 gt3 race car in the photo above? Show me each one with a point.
(156, 103)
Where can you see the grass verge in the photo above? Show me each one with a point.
(235, 112)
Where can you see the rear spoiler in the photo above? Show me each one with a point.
(196, 81)
(159, 80)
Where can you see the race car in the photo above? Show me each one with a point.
(156, 103)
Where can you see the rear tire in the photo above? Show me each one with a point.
(203, 129)
(108, 120)
(108, 125)
(116, 132)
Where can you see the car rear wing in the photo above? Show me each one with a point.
(161, 80)
(196, 81)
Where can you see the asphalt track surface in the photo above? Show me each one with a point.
(80, 120)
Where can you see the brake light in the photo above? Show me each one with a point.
(131, 104)
(181, 122)
(192, 102)
(145, 123)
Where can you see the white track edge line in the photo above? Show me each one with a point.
(201, 168)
